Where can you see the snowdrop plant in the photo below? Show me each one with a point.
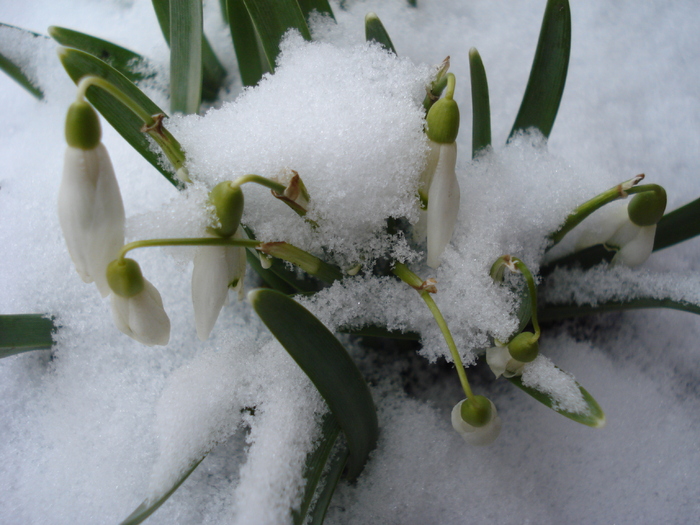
(296, 252)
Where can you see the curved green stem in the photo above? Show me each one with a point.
(259, 179)
(450, 89)
(423, 289)
(532, 289)
(152, 124)
(584, 210)
(195, 241)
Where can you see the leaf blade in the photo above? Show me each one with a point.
(272, 19)
(185, 55)
(376, 32)
(677, 226)
(481, 108)
(245, 43)
(12, 66)
(24, 332)
(545, 86)
(324, 360)
(595, 417)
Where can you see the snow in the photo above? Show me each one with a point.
(101, 422)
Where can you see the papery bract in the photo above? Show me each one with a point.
(142, 316)
(91, 213)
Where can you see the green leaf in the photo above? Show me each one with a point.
(594, 417)
(78, 64)
(185, 55)
(245, 43)
(555, 312)
(336, 470)
(315, 465)
(678, 226)
(324, 360)
(132, 65)
(548, 74)
(16, 67)
(481, 108)
(375, 32)
(321, 6)
(380, 331)
(149, 506)
(272, 19)
(23, 332)
(213, 73)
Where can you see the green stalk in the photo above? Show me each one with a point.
(423, 289)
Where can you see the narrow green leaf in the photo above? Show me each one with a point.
(23, 332)
(375, 32)
(78, 64)
(315, 465)
(14, 66)
(149, 506)
(132, 65)
(555, 312)
(594, 417)
(213, 73)
(380, 331)
(245, 43)
(678, 226)
(321, 6)
(272, 19)
(185, 55)
(548, 74)
(321, 356)
(481, 108)
(337, 466)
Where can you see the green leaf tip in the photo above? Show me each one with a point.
(593, 417)
(326, 362)
(545, 86)
(375, 32)
(24, 332)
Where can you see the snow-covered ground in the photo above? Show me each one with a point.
(86, 425)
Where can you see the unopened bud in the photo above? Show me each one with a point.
(443, 117)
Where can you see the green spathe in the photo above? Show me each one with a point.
(227, 199)
(82, 126)
(125, 278)
(647, 208)
(476, 411)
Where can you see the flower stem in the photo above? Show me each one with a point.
(424, 288)
(195, 241)
(532, 289)
(263, 181)
(152, 124)
(584, 210)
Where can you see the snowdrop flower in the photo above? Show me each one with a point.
(630, 228)
(509, 361)
(476, 420)
(90, 209)
(137, 308)
(216, 269)
(439, 186)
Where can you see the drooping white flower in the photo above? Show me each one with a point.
(443, 203)
(90, 208)
(502, 363)
(142, 316)
(478, 436)
(91, 213)
(216, 269)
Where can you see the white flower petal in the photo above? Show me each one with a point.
(600, 227)
(443, 204)
(91, 213)
(142, 316)
(497, 358)
(638, 249)
(477, 436)
(215, 269)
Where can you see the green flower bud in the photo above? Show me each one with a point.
(228, 204)
(443, 118)
(524, 347)
(82, 126)
(647, 208)
(476, 411)
(125, 278)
